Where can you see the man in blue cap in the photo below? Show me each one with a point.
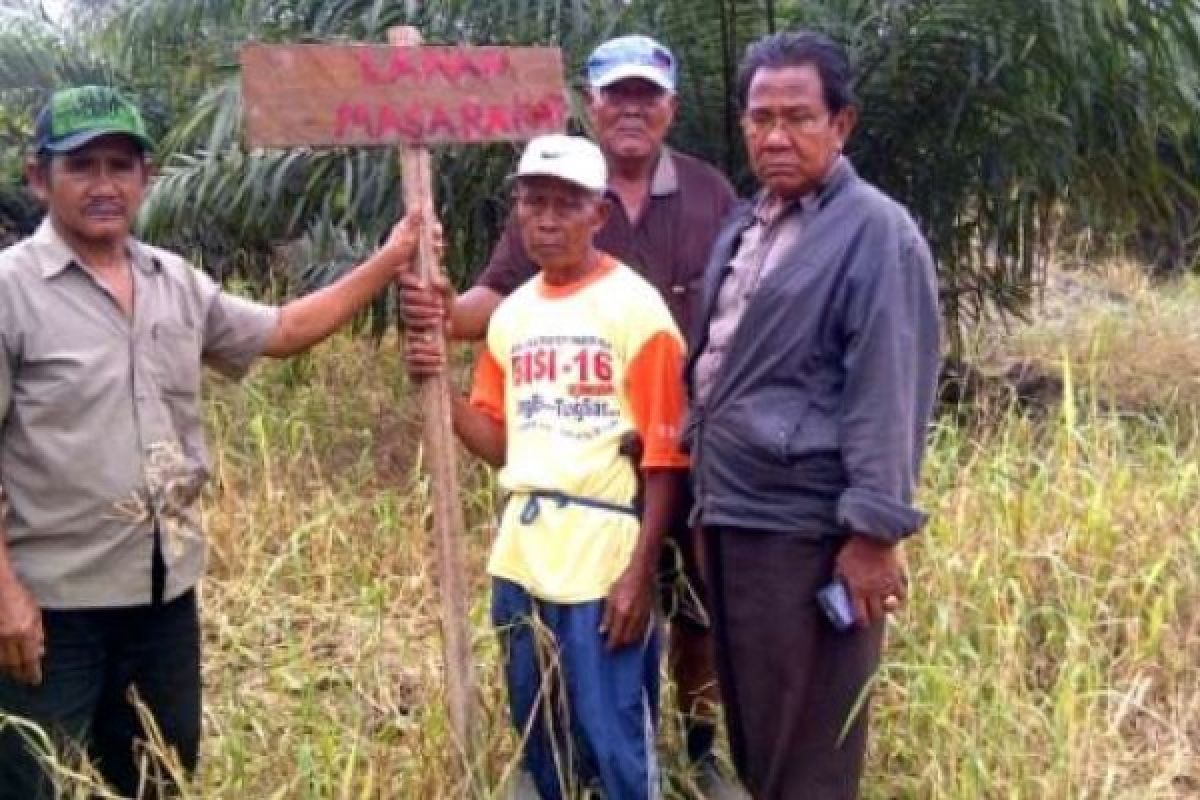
(667, 207)
(102, 455)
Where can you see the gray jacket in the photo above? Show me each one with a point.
(816, 419)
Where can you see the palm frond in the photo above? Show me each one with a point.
(997, 122)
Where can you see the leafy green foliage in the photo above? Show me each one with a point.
(999, 123)
(34, 57)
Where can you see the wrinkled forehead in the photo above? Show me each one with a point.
(786, 87)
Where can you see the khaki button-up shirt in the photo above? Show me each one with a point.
(100, 428)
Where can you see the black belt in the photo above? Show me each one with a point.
(533, 506)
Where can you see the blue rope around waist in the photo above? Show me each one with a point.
(533, 504)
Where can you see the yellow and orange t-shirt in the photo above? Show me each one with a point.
(569, 370)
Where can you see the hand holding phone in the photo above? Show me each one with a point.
(835, 601)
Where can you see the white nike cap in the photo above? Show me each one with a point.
(570, 158)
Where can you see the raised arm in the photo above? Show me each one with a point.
(465, 316)
(308, 320)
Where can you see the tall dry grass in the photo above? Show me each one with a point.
(1051, 648)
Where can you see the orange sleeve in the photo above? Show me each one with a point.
(654, 385)
(487, 387)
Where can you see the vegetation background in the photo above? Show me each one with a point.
(1053, 645)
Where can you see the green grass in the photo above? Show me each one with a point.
(1051, 648)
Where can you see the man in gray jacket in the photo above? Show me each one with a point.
(812, 377)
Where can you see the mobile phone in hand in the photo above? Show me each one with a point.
(834, 600)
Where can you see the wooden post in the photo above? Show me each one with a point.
(449, 528)
(349, 95)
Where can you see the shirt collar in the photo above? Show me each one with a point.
(56, 256)
(666, 176)
(767, 212)
(143, 258)
(53, 253)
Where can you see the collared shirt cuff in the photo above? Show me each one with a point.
(874, 514)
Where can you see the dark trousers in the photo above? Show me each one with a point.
(792, 687)
(93, 659)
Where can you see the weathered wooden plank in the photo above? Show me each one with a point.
(354, 95)
(448, 525)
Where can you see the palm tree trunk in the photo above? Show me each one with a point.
(728, 66)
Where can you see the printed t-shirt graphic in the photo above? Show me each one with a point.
(569, 370)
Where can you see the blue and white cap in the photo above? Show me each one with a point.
(632, 57)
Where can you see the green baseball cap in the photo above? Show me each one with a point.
(74, 117)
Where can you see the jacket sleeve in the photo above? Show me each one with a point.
(890, 360)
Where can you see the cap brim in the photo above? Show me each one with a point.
(549, 173)
(655, 75)
(83, 138)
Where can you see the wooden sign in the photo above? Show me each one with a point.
(353, 95)
(413, 96)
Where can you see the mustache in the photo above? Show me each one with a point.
(105, 208)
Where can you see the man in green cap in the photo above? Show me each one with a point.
(102, 454)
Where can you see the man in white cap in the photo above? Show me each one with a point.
(577, 357)
(666, 209)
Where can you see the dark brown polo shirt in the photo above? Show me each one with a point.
(669, 244)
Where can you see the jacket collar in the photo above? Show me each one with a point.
(840, 174)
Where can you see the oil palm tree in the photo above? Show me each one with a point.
(995, 121)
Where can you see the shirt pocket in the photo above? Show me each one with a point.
(765, 424)
(47, 379)
(63, 379)
(818, 429)
(815, 431)
(176, 358)
(65, 369)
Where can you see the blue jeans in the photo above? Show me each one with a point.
(92, 659)
(587, 714)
